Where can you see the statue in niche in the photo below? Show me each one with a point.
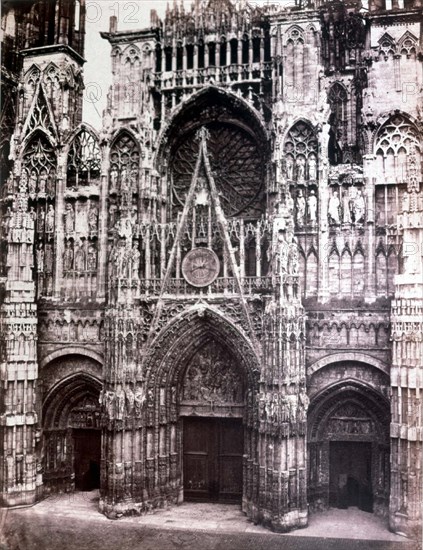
(120, 402)
(293, 262)
(133, 177)
(135, 261)
(41, 220)
(68, 257)
(113, 178)
(81, 220)
(80, 257)
(93, 218)
(304, 402)
(50, 219)
(51, 182)
(405, 202)
(109, 403)
(300, 166)
(124, 179)
(112, 215)
(42, 182)
(301, 208)
(346, 207)
(312, 168)
(32, 183)
(69, 218)
(40, 257)
(130, 399)
(357, 206)
(92, 257)
(333, 208)
(282, 254)
(292, 407)
(284, 409)
(48, 258)
(312, 207)
(31, 218)
(289, 168)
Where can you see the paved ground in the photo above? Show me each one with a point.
(72, 522)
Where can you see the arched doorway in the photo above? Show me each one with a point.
(72, 435)
(212, 404)
(348, 444)
(201, 386)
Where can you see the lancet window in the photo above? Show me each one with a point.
(338, 100)
(84, 160)
(124, 164)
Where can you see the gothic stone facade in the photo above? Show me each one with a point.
(224, 284)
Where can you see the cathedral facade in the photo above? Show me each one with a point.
(219, 294)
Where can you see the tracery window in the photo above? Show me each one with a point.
(301, 153)
(338, 100)
(39, 166)
(84, 160)
(124, 164)
(396, 141)
(236, 163)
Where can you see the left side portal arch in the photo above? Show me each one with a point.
(71, 423)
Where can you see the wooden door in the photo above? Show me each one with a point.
(87, 456)
(213, 451)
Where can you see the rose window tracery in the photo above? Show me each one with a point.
(237, 166)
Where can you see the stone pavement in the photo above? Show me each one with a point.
(69, 522)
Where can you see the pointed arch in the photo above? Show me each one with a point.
(83, 158)
(301, 152)
(125, 157)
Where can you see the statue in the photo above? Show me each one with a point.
(40, 258)
(346, 208)
(69, 218)
(301, 208)
(113, 178)
(139, 399)
(42, 182)
(41, 220)
(135, 261)
(81, 220)
(68, 257)
(80, 257)
(333, 208)
(289, 168)
(50, 219)
(48, 258)
(93, 218)
(300, 165)
(312, 207)
(293, 261)
(358, 207)
(130, 399)
(92, 258)
(312, 168)
(120, 402)
(109, 402)
(32, 183)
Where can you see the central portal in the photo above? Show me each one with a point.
(213, 450)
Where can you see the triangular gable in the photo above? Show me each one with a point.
(202, 191)
(40, 115)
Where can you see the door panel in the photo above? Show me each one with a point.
(87, 456)
(213, 451)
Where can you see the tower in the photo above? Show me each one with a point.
(48, 106)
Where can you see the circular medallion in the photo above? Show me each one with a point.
(200, 267)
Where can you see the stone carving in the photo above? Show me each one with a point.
(81, 223)
(135, 261)
(312, 168)
(312, 207)
(301, 208)
(40, 257)
(50, 219)
(334, 207)
(41, 220)
(92, 257)
(68, 257)
(93, 218)
(212, 377)
(300, 165)
(80, 257)
(357, 205)
(69, 218)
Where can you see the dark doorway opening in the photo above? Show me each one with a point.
(213, 450)
(350, 482)
(87, 456)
